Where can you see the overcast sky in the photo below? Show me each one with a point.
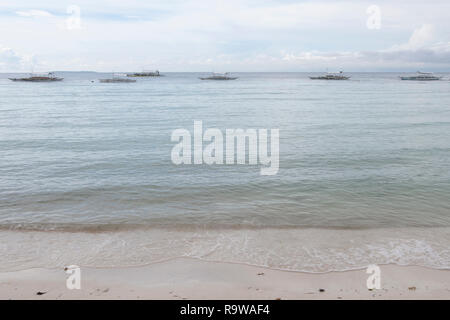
(226, 35)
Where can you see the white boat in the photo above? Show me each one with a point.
(219, 76)
(422, 76)
(145, 74)
(117, 78)
(331, 76)
(49, 77)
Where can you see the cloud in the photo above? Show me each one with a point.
(420, 50)
(10, 59)
(420, 38)
(247, 35)
(316, 56)
(34, 13)
(429, 56)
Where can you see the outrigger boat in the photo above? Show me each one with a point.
(219, 76)
(331, 76)
(116, 78)
(422, 76)
(145, 74)
(50, 77)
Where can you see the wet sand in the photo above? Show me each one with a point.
(195, 279)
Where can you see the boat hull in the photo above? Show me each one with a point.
(420, 79)
(36, 80)
(116, 80)
(324, 78)
(228, 78)
(143, 76)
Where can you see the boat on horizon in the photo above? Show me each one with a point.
(422, 76)
(145, 74)
(332, 76)
(117, 78)
(49, 77)
(219, 76)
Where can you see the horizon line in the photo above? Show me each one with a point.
(91, 71)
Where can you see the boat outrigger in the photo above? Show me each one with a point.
(50, 77)
(219, 76)
(332, 76)
(145, 74)
(116, 78)
(422, 76)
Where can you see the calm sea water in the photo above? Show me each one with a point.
(364, 172)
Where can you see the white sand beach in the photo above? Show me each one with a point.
(185, 278)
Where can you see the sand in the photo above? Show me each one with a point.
(195, 279)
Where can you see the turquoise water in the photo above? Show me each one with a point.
(366, 155)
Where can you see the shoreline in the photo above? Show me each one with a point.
(298, 250)
(187, 278)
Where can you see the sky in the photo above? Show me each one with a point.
(225, 35)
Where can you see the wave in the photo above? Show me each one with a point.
(169, 225)
(294, 249)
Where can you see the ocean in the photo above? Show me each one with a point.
(86, 175)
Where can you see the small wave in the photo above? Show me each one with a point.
(294, 249)
(171, 226)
